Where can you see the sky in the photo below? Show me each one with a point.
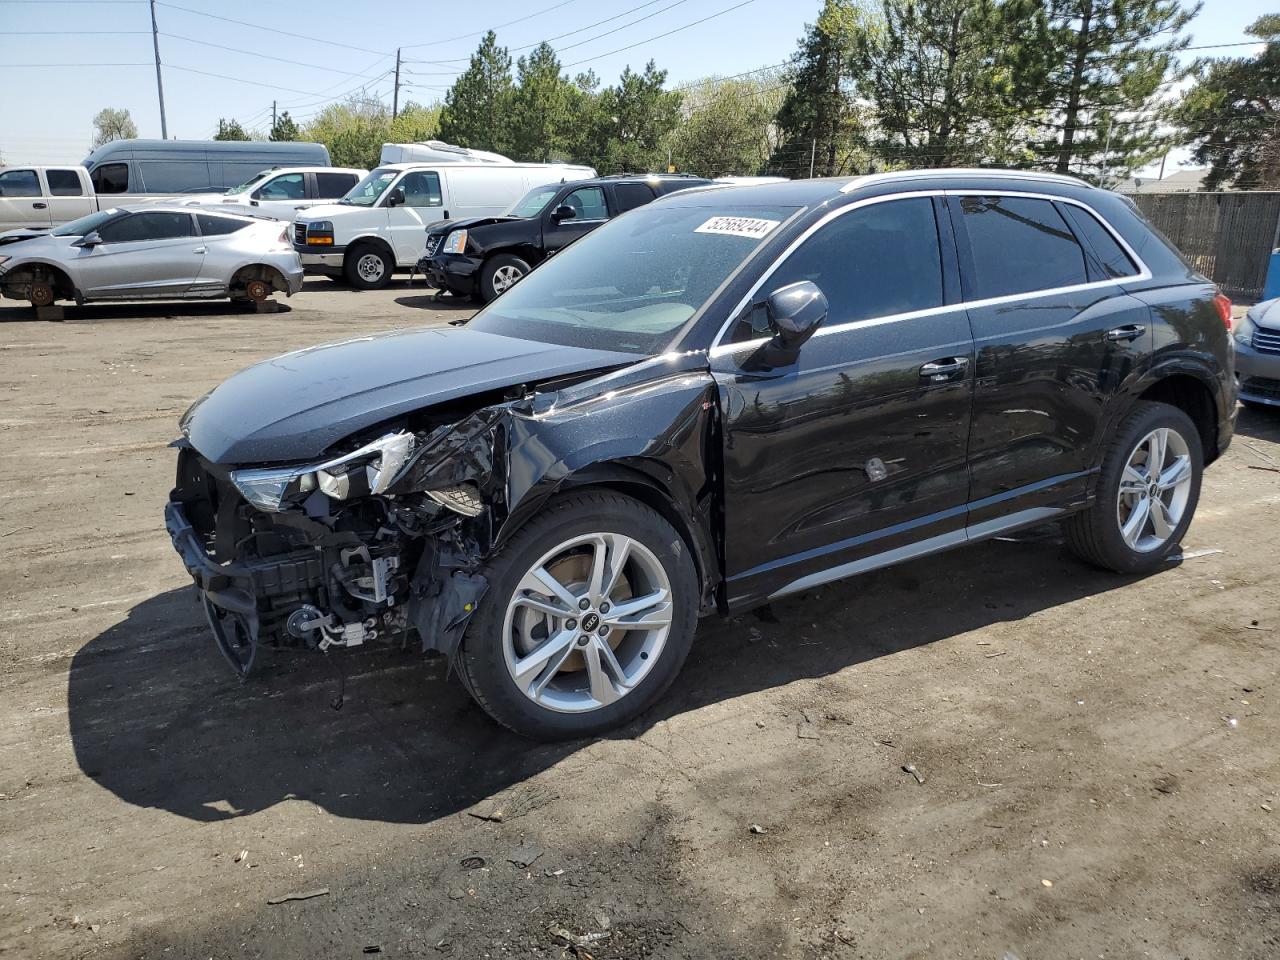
(70, 58)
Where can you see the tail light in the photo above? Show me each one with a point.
(283, 240)
(1223, 303)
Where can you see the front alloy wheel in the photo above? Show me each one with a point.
(589, 615)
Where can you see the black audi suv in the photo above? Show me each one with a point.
(730, 395)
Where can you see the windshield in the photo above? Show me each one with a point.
(247, 184)
(85, 225)
(631, 284)
(533, 202)
(367, 191)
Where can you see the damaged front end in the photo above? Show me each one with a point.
(375, 543)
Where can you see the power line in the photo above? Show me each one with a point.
(480, 33)
(256, 26)
(264, 56)
(223, 76)
(640, 43)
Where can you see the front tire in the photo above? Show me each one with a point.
(368, 267)
(589, 615)
(500, 273)
(1147, 492)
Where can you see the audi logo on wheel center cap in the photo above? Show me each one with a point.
(590, 622)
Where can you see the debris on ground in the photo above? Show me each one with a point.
(911, 769)
(373, 948)
(301, 895)
(1231, 721)
(756, 828)
(239, 857)
(1194, 554)
(524, 855)
(1046, 883)
(516, 804)
(585, 940)
(805, 732)
(472, 863)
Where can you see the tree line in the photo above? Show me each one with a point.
(1094, 88)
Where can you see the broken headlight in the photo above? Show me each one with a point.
(371, 469)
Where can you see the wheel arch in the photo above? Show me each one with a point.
(23, 274)
(369, 239)
(1185, 383)
(256, 270)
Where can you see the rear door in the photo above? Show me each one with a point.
(331, 186)
(22, 201)
(67, 197)
(407, 222)
(856, 452)
(590, 210)
(1055, 336)
(146, 254)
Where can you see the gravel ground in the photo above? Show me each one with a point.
(1100, 755)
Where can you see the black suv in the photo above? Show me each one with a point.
(483, 256)
(724, 398)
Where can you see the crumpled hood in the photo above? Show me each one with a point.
(296, 406)
(24, 233)
(467, 223)
(38, 245)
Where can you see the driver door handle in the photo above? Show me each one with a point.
(948, 368)
(39, 205)
(1131, 332)
(199, 250)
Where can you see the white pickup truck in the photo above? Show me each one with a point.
(380, 226)
(281, 192)
(37, 198)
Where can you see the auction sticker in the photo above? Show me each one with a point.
(749, 227)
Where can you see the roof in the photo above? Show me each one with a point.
(1183, 181)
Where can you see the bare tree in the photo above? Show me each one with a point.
(112, 124)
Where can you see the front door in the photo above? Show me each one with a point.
(22, 205)
(407, 222)
(1055, 337)
(142, 255)
(282, 196)
(589, 211)
(856, 451)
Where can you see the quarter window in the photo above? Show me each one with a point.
(1019, 245)
(632, 195)
(215, 226)
(147, 226)
(110, 178)
(587, 204)
(876, 261)
(421, 189)
(63, 183)
(329, 185)
(1105, 255)
(19, 183)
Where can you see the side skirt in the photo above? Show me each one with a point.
(981, 531)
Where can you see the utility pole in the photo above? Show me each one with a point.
(813, 155)
(155, 43)
(395, 97)
(1106, 155)
(273, 115)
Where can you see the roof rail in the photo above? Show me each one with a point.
(990, 173)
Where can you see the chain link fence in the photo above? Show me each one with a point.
(1227, 236)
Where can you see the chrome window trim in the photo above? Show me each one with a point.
(720, 348)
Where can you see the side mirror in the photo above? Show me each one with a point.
(563, 212)
(795, 312)
(396, 198)
(90, 239)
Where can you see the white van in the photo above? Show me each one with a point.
(380, 226)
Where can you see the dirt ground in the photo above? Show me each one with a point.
(1100, 755)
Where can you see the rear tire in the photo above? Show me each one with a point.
(500, 273)
(368, 267)
(543, 678)
(1141, 513)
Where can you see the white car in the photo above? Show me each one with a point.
(381, 225)
(282, 191)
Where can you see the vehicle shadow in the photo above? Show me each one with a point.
(156, 717)
(1260, 423)
(428, 301)
(143, 310)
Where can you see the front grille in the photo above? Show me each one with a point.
(433, 244)
(1266, 341)
(1261, 387)
(299, 233)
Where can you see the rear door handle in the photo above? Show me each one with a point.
(199, 250)
(949, 368)
(39, 205)
(1130, 332)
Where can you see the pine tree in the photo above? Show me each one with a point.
(819, 121)
(542, 108)
(632, 121)
(284, 129)
(477, 108)
(230, 130)
(1232, 114)
(1106, 66)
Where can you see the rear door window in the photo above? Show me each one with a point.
(632, 195)
(329, 185)
(1105, 255)
(1018, 245)
(215, 226)
(64, 183)
(19, 183)
(110, 178)
(156, 225)
(876, 261)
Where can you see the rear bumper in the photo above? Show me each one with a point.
(451, 271)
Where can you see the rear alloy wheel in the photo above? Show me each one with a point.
(590, 613)
(499, 274)
(368, 268)
(1147, 492)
